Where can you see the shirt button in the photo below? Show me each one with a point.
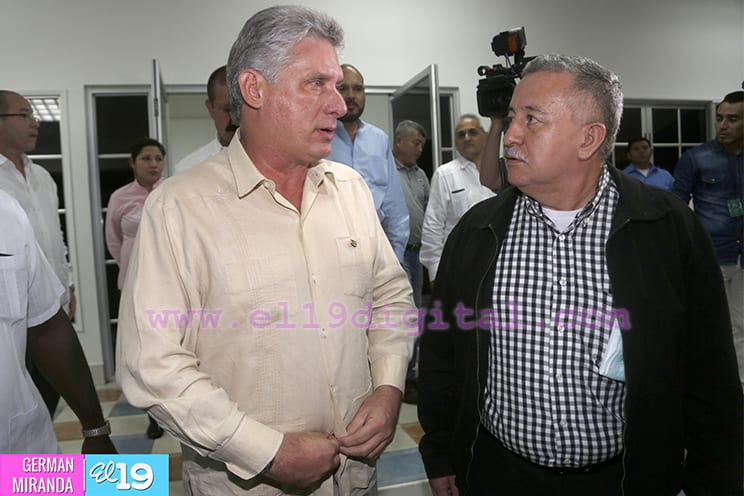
(567, 461)
(563, 281)
(561, 328)
(323, 333)
(559, 376)
(563, 423)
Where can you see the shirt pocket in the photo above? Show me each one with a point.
(711, 180)
(460, 202)
(356, 264)
(12, 285)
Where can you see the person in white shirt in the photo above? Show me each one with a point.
(33, 187)
(218, 106)
(31, 320)
(455, 187)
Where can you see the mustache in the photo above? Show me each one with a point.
(511, 153)
(231, 128)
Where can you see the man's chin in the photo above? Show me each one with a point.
(350, 117)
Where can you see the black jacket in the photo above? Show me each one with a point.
(682, 387)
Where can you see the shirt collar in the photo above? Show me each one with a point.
(405, 168)
(534, 207)
(247, 177)
(463, 162)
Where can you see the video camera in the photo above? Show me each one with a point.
(496, 88)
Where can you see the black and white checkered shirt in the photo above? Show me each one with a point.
(544, 398)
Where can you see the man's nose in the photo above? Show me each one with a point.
(337, 104)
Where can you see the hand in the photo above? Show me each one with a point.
(304, 458)
(444, 486)
(73, 305)
(101, 445)
(373, 426)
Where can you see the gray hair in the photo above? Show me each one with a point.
(266, 41)
(590, 80)
(475, 118)
(406, 127)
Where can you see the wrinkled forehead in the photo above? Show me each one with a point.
(467, 124)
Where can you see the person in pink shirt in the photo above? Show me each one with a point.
(125, 210)
(125, 205)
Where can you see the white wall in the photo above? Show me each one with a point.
(661, 49)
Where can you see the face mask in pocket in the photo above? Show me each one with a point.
(612, 364)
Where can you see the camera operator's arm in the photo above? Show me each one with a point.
(490, 168)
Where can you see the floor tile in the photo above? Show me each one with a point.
(399, 467)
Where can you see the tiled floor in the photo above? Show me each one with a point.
(400, 471)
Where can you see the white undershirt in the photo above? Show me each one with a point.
(561, 218)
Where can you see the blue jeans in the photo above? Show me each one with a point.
(415, 272)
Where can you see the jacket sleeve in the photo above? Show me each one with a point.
(713, 398)
(438, 394)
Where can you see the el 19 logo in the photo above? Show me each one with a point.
(144, 475)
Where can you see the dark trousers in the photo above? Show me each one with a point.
(496, 471)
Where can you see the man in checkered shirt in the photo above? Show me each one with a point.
(579, 342)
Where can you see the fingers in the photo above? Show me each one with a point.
(368, 442)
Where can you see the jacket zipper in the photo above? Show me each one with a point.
(477, 352)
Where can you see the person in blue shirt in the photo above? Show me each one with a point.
(639, 153)
(366, 149)
(712, 174)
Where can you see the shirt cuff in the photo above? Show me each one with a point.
(390, 370)
(251, 449)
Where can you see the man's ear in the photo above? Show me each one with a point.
(209, 105)
(594, 134)
(252, 84)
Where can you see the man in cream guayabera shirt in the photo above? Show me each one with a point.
(289, 369)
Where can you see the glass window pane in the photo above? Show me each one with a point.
(693, 125)
(114, 173)
(112, 275)
(665, 157)
(48, 141)
(621, 157)
(630, 125)
(664, 125)
(119, 119)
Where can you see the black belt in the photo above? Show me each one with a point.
(587, 469)
(413, 247)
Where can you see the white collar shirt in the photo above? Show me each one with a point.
(455, 187)
(29, 296)
(37, 194)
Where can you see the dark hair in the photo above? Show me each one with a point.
(633, 141)
(141, 143)
(218, 76)
(734, 97)
(4, 100)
